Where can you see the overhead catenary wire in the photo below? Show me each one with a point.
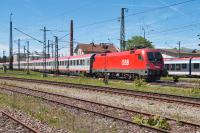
(28, 35)
(129, 15)
(141, 12)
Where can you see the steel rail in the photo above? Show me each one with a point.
(91, 111)
(102, 104)
(147, 95)
(20, 122)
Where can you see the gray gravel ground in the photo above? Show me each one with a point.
(9, 126)
(160, 108)
(110, 111)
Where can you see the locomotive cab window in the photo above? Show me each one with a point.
(140, 57)
(154, 56)
(196, 65)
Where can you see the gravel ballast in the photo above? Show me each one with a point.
(159, 108)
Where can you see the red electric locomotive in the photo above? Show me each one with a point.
(146, 63)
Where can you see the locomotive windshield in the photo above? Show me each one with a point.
(154, 56)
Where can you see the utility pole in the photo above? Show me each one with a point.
(122, 30)
(56, 56)
(198, 38)
(144, 35)
(48, 46)
(19, 57)
(44, 52)
(179, 49)
(28, 57)
(11, 45)
(52, 50)
(71, 38)
(4, 60)
(25, 52)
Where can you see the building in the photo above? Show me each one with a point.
(174, 53)
(94, 48)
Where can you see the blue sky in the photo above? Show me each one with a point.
(164, 27)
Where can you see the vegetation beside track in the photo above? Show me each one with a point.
(184, 79)
(56, 117)
(136, 85)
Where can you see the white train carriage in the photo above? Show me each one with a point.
(67, 64)
(178, 66)
(81, 63)
(195, 69)
(183, 66)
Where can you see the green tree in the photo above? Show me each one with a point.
(138, 42)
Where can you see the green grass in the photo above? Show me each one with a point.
(56, 117)
(137, 85)
(187, 79)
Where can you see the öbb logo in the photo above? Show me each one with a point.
(125, 62)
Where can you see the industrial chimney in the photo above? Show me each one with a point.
(71, 38)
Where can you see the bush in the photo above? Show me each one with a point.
(139, 82)
(155, 121)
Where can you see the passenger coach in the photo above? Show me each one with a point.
(183, 66)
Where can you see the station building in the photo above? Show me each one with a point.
(92, 48)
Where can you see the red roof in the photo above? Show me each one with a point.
(96, 48)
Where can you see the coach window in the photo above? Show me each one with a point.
(167, 66)
(83, 62)
(88, 62)
(140, 57)
(80, 62)
(196, 65)
(178, 66)
(184, 66)
(172, 66)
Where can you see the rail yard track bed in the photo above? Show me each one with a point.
(16, 121)
(78, 120)
(174, 110)
(181, 84)
(130, 85)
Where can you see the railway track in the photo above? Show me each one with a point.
(100, 112)
(9, 116)
(133, 93)
(182, 84)
(116, 113)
